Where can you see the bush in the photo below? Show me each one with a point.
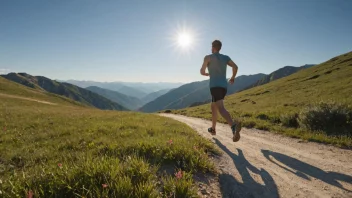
(167, 111)
(331, 118)
(262, 116)
(290, 120)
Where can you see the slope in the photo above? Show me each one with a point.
(188, 94)
(173, 95)
(266, 106)
(115, 153)
(130, 91)
(280, 73)
(126, 101)
(154, 95)
(64, 89)
(10, 89)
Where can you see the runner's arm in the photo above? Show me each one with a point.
(204, 66)
(234, 71)
(234, 68)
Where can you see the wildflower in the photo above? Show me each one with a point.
(170, 142)
(30, 194)
(0, 181)
(4, 128)
(59, 165)
(179, 175)
(104, 185)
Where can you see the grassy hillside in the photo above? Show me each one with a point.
(130, 102)
(280, 73)
(68, 150)
(64, 89)
(268, 106)
(9, 88)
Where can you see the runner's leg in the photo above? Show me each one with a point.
(214, 111)
(224, 113)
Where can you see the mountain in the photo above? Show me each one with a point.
(193, 92)
(126, 101)
(154, 95)
(146, 88)
(64, 89)
(152, 87)
(10, 89)
(130, 91)
(280, 73)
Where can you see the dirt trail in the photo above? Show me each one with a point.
(263, 164)
(24, 98)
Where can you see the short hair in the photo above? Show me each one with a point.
(217, 44)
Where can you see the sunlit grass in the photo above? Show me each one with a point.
(71, 151)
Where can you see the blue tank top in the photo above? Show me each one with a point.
(217, 70)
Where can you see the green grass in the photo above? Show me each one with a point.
(68, 150)
(329, 81)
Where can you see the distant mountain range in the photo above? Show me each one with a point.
(64, 89)
(135, 89)
(197, 93)
(152, 96)
(127, 101)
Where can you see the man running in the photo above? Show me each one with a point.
(217, 65)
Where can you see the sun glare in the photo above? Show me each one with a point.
(184, 39)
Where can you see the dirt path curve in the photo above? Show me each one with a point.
(263, 164)
(24, 98)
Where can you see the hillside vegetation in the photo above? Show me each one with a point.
(281, 105)
(64, 89)
(61, 149)
(280, 73)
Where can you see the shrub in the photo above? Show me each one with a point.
(290, 120)
(262, 116)
(275, 119)
(167, 111)
(249, 124)
(331, 118)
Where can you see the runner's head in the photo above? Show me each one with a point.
(216, 46)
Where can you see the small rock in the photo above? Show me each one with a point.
(204, 191)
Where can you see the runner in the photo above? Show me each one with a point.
(217, 65)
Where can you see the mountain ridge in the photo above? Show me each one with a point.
(64, 89)
(129, 102)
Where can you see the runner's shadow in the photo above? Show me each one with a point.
(231, 188)
(303, 169)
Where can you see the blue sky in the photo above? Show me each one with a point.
(132, 40)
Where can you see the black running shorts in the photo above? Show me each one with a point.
(217, 93)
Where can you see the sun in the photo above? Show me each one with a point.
(184, 39)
